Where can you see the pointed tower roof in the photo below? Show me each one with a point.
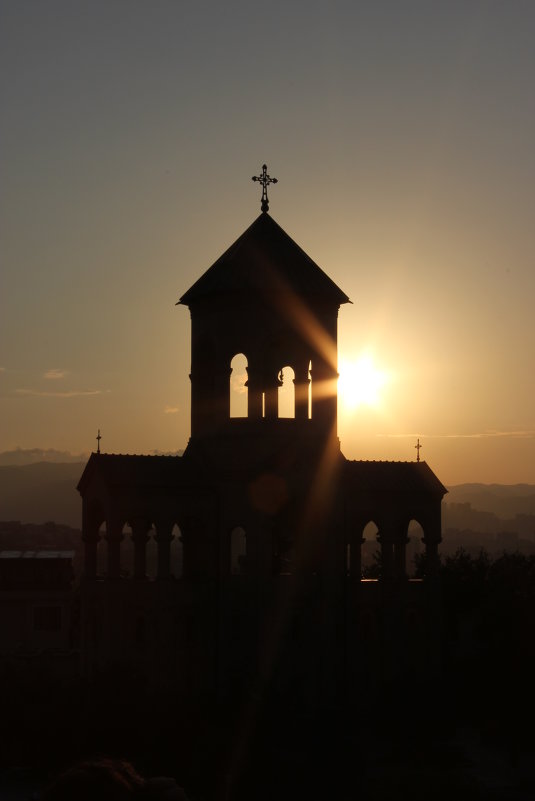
(262, 260)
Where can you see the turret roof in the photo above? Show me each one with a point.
(262, 260)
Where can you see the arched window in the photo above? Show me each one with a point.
(238, 386)
(415, 547)
(177, 553)
(286, 392)
(238, 550)
(370, 551)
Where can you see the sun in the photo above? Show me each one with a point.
(360, 382)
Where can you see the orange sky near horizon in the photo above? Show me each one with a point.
(402, 138)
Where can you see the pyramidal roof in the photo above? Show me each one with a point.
(262, 260)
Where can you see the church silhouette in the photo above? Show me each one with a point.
(255, 532)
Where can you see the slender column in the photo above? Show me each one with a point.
(400, 553)
(90, 537)
(254, 394)
(272, 398)
(114, 537)
(301, 383)
(386, 542)
(140, 538)
(163, 538)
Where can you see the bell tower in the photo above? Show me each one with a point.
(264, 573)
(266, 299)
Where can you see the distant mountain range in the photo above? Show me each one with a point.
(46, 490)
(41, 492)
(22, 456)
(503, 500)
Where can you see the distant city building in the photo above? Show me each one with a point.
(36, 602)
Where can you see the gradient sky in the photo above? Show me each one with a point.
(402, 134)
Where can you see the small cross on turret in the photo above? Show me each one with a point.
(418, 446)
(265, 180)
(98, 438)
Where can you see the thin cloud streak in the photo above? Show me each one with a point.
(476, 435)
(54, 374)
(171, 410)
(73, 393)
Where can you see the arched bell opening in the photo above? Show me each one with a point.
(414, 548)
(238, 386)
(286, 393)
(370, 551)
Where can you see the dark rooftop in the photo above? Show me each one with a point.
(262, 259)
(393, 476)
(137, 470)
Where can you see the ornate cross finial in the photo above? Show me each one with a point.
(98, 438)
(418, 446)
(265, 180)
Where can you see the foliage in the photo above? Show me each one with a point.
(489, 651)
(374, 570)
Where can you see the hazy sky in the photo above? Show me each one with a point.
(402, 135)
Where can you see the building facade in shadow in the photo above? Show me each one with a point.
(236, 567)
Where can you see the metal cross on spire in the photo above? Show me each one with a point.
(418, 446)
(265, 180)
(98, 438)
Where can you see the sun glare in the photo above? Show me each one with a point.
(360, 383)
